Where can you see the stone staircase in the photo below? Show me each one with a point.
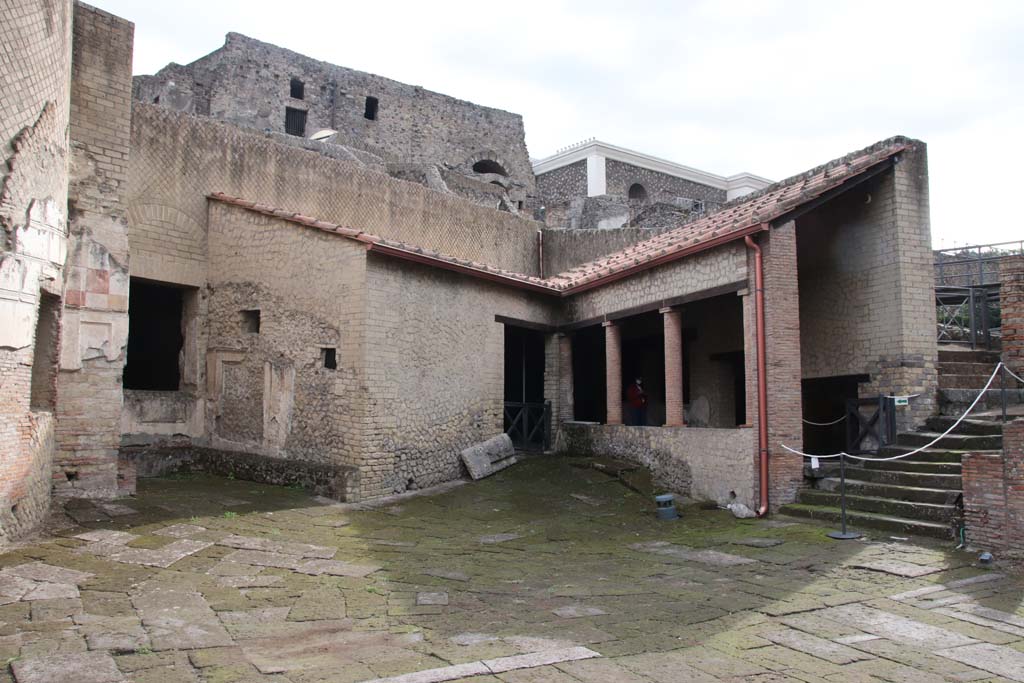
(920, 494)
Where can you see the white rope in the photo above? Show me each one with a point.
(1012, 374)
(915, 451)
(825, 424)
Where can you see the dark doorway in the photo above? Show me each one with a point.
(154, 336)
(525, 410)
(735, 361)
(643, 355)
(45, 353)
(824, 402)
(588, 380)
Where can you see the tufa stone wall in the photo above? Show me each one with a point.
(866, 289)
(659, 186)
(1011, 305)
(177, 160)
(248, 83)
(704, 464)
(95, 327)
(35, 82)
(434, 370)
(993, 486)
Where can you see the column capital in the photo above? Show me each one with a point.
(608, 323)
(667, 309)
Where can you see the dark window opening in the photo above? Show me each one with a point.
(295, 122)
(824, 400)
(372, 105)
(643, 356)
(156, 100)
(519, 205)
(524, 387)
(72, 475)
(44, 353)
(637, 193)
(489, 166)
(154, 337)
(297, 89)
(251, 321)
(329, 358)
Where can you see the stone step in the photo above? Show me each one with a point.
(929, 455)
(958, 381)
(966, 355)
(958, 368)
(912, 465)
(899, 478)
(857, 520)
(907, 493)
(955, 401)
(957, 442)
(975, 427)
(928, 512)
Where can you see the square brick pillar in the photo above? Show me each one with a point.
(782, 329)
(993, 487)
(1011, 303)
(613, 371)
(566, 407)
(673, 323)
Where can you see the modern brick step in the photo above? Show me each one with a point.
(912, 465)
(958, 442)
(928, 512)
(861, 520)
(968, 426)
(906, 493)
(901, 478)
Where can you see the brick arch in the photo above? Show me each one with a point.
(487, 155)
(165, 235)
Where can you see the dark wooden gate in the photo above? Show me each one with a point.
(870, 424)
(528, 424)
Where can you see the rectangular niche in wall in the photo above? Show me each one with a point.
(45, 353)
(295, 122)
(251, 321)
(372, 104)
(329, 358)
(155, 336)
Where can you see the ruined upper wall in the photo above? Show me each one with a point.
(247, 83)
(177, 160)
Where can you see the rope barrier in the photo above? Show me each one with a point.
(825, 424)
(916, 450)
(1012, 374)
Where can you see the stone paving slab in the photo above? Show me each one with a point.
(714, 558)
(84, 667)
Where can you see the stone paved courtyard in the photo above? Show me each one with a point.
(544, 573)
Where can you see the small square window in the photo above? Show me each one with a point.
(297, 89)
(372, 104)
(251, 321)
(295, 122)
(329, 358)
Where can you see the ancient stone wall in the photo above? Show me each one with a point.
(866, 288)
(558, 187)
(269, 389)
(659, 186)
(1011, 305)
(993, 486)
(177, 160)
(95, 327)
(35, 82)
(704, 464)
(434, 370)
(249, 83)
(717, 267)
(565, 249)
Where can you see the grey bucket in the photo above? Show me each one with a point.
(666, 506)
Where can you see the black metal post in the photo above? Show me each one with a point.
(843, 534)
(1002, 388)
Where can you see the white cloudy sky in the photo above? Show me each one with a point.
(767, 86)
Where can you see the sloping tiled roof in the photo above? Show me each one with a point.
(743, 216)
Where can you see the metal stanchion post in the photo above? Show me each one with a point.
(843, 534)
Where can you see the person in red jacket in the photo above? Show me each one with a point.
(636, 399)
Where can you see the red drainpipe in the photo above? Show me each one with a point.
(762, 374)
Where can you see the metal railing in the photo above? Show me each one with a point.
(528, 424)
(967, 315)
(972, 266)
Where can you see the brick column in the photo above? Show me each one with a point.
(1011, 304)
(566, 407)
(672, 321)
(613, 371)
(993, 486)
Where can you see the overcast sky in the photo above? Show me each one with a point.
(770, 87)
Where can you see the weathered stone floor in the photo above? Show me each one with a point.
(541, 573)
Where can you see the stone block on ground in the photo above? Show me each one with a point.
(488, 457)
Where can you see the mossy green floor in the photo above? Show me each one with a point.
(223, 580)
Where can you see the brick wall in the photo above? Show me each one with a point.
(177, 160)
(35, 72)
(1011, 304)
(96, 277)
(993, 486)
